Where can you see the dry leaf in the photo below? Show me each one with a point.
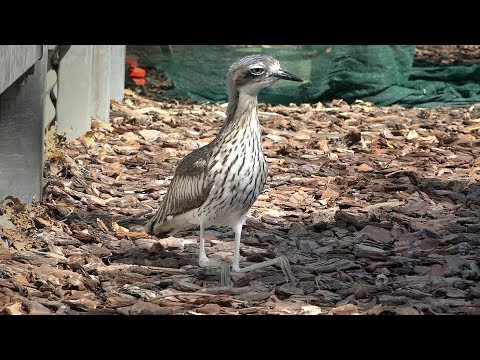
(412, 134)
(98, 124)
(87, 139)
(14, 309)
(329, 194)
(113, 169)
(150, 135)
(130, 137)
(348, 309)
(365, 168)
(311, 310)
(323, 145)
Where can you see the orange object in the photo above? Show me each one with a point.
(139, 81)
(136, 74)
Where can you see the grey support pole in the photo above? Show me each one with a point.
(102, 68)
(117, 74)
(75, 91)
(21, 120)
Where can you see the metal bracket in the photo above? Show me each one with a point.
(56, 55)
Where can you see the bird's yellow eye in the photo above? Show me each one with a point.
(257, 71)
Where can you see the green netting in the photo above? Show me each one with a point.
(382, 74)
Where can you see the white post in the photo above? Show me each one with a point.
(75, 91)
(21, 121)
(102, 64)
(117, 78)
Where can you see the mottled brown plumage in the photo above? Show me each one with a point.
(218, 183)
(186, 192)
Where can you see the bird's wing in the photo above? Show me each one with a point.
(189, 188)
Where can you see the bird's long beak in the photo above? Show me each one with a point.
(282, 74)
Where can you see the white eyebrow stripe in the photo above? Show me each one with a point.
(275, 67)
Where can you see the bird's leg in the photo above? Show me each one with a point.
(204, 261)
(282, 261)
(236, 250)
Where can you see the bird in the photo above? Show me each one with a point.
(215, 185)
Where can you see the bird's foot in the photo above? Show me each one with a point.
(204, 261)
(237, 273)
(287, 269)
(281, 261)
(224, 267)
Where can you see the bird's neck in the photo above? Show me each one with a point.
(241, 114)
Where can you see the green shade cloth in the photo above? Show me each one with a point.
(381, 74)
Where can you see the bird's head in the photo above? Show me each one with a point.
(252, 73)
